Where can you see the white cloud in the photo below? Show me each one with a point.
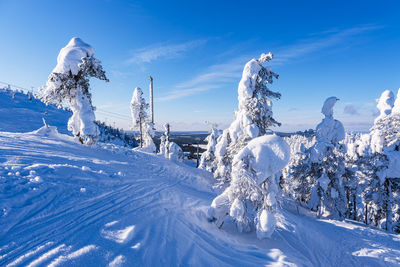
(154, 52)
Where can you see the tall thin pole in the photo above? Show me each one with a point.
(151, 99)
(197, 160)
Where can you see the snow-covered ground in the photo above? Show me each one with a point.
(63, 204)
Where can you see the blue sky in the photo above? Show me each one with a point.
(196, 50)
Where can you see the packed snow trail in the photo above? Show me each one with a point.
(63, 204)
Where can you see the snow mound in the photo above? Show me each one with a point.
(269, 154)
(71, 56)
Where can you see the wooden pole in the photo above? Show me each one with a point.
(151, 99)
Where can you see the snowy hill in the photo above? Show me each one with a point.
(19, 114)
(67, 204)
(63, 204)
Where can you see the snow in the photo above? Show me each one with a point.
(29, 114)
(396, 106)
(385, 104)
(266, 225)
(71, 56)
(269, 153)
(144, 210)
(329, 130)
(327, 108)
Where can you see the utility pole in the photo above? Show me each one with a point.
(151, 99)
(197, 162)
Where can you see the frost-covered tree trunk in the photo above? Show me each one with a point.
(69, 83)
(252, 119)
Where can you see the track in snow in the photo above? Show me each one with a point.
(62, 203)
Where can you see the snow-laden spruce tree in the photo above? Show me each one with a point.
(207, 160)
(299, 145)
(327, 158)
(139, 118)
(385, 145)
(318, 175)
(69, 83)
(169, 149)
(250, 199)
(253, 117)
(383, 125)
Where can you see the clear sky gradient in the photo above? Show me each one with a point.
(196, 50)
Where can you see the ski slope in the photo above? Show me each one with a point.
(18, 114)
(65, 204)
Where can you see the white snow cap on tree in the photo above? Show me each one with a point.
(253, 182)
(329, 130)
(71, 56)
(69, 82)
(385, 104)
(327, 108)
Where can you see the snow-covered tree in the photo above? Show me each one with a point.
(250, 199)
(69, 83)
(385, 146)
(381, 132)
(148, 135)
(169, 149)
(320, 169)
(299, 144)
(140, 121)
(139, 111)
(252, 119)
(164, 141)
(207, 161)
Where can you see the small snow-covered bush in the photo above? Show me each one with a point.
(207, 161)
(169, 149)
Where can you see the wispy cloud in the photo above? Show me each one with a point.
(323, 40)
(213, 77)
(154, 52)
(218, 75)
